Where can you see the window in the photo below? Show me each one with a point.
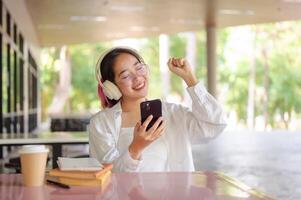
(18, 67)
(32, 92)
(1, 83)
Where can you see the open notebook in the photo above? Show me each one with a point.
(82, 164)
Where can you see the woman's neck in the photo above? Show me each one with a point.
(130, 105)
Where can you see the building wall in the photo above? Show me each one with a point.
(19, 52)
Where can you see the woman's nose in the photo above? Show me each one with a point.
(134, 77)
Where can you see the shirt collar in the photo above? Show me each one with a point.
(117, 109)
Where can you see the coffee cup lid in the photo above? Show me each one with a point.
(33, 149)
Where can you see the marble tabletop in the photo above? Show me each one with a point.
(139, 186)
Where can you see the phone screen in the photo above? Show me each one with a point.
(152, 107)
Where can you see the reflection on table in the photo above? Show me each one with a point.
(171, 185)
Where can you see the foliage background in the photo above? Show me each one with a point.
(276, 45)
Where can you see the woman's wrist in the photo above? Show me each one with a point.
(191, 80)
(134, 152)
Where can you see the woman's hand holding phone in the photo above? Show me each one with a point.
(143, 138)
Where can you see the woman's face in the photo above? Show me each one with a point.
(131, 76)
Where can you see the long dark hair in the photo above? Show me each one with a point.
(107, 71)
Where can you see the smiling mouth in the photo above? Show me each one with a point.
(140, 86)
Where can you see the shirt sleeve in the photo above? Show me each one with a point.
(206, 119)
(102, 146)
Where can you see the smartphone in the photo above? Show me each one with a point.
(152, 107)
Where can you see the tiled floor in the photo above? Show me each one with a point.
(270, 162)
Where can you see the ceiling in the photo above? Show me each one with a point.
(60, 22)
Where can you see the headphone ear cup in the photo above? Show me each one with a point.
(111, 90)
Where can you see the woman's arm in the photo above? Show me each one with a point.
(102, 146)
(206, 119)
(143, 138)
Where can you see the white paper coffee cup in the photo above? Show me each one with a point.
(33, 164)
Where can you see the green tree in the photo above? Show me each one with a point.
(150, 52)
(84, 83)
(200, 68)
(177, 49)
(48, 77)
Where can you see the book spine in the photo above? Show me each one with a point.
(85, 182)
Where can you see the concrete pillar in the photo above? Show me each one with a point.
(211, 59)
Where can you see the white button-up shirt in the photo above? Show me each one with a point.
(184, 127)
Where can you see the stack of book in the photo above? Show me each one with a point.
(81, 172)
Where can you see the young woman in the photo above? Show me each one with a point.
(116, 134)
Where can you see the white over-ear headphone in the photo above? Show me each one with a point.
(109, 88)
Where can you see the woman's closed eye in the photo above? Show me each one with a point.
(140, 68)
(125, 76)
